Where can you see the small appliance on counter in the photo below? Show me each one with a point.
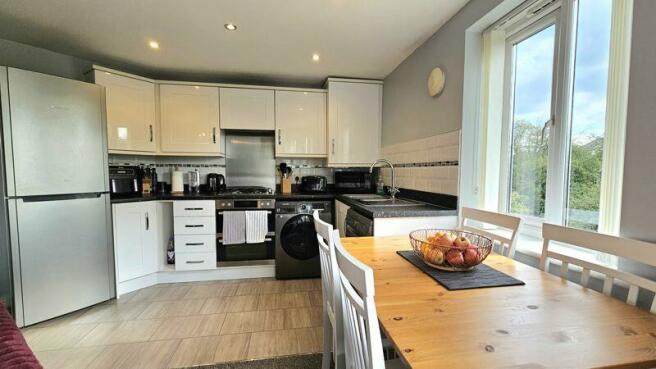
(194, 181)
(177, 181)
(314, 184)
(124, 181)
(353, 181)
(215, 182)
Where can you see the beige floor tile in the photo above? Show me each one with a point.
(195, 351)
(167, 309)
(121, 332)
(310, 340)
(111, 312)
(253, 321)
(193, 326)
(316, 298)
(301, 285)
(283, 300)
(77, 358)
(303, 317)
(272, 344)
(211, 290)
(230, 304)
(56, 337)
(142, 355)
(232, 347)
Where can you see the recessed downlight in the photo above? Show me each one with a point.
(315, 57)
(230, 26)
(153, 45)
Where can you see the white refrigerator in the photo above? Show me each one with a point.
(55, 199)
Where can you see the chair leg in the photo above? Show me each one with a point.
(327, 342)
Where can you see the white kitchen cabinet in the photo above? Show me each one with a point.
(300, 124)
(247, 109)
(194, 227)
(354, 121)
(340, 217)
(130, 112)
(135, 240)
(189, 119)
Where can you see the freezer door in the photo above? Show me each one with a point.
(57, 134)
(64, 247)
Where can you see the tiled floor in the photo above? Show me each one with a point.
(186, 324)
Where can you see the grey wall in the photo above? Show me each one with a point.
(408, 112)
(639, 194)
(14, 54)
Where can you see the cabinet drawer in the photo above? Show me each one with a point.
(195, 243)
(195, 261)
(192, 208)
(194, 225)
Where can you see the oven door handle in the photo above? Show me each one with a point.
(221, 212)
(265, 240)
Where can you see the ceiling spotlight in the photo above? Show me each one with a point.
(315, 57)
(154, 45)
(230, 26)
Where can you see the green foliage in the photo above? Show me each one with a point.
(529, 176)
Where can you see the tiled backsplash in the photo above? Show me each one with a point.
(428, 164)
(166, 164)
(307, 167)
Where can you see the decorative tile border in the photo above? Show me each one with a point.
(430, 164)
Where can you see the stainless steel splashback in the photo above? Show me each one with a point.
(250, 159)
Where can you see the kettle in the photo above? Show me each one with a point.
(215, 182)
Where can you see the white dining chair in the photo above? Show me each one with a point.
(501, 228)
(333, 338)
(643, 252)
(362, 341)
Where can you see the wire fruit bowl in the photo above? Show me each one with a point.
(450, 250)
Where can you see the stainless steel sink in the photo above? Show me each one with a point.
(367, 196)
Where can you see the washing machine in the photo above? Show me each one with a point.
(297, 250)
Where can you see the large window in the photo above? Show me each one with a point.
(548, 68)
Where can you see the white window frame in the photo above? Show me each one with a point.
(555, 15)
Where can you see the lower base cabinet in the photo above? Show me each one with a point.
(135, 240)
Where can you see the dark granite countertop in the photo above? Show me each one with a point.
(208, 196)
(428, 205)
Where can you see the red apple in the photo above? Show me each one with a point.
(462, 243)
(471, 256)
(455, 258)
(435, 256)
(444, 240)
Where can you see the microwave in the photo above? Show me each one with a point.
(353, 181)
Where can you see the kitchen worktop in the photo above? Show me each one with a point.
(208, 196)
(428, 205)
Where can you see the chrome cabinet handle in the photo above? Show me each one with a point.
(280, 137)
(194, 262)
(193, 226)
(333, 150)
(147, 222)
(194, 243)
(193, 208)
(214, 135)
(150, 128)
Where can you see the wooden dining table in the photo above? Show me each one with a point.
(547, 323)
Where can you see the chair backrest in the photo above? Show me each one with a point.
(329, 274)
(635, 250)
(487, 222)
(362, 341)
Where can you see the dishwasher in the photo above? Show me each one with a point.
(358, 225)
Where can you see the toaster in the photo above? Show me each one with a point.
(314, 184)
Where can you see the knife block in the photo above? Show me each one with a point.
(286, 185)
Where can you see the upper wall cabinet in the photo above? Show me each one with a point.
(300, 124)
(246, 108)
(189, 119)
(354, 121)
(130, 112)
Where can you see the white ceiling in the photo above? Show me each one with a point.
(275, 39)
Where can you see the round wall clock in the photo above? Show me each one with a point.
(436, 80)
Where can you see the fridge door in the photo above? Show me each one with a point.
(57, 135)
(6, 293)
(64, 248)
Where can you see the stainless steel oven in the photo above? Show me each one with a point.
(246, 251)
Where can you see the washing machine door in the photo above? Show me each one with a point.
(298, 239)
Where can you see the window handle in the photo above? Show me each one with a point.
(544, 128)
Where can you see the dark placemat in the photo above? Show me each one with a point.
(482, 276)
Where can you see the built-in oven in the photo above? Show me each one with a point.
(246, 251)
